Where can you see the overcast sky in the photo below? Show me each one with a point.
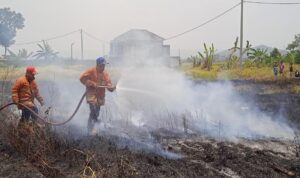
(272, 25)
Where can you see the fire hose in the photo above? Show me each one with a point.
(43, 119)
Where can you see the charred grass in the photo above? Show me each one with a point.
(33, 151)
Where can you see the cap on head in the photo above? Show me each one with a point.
(101, 61)
(32, 70)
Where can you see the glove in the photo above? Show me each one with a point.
(18, 105)
(112, 88)
(90, 83)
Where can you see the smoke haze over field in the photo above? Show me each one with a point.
(208, 108)
(151, 96)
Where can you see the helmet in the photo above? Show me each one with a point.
(101, 61)
(32, 70)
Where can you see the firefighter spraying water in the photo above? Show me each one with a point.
(96, 79)
(25, 91)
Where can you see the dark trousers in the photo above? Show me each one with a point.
(27, 115)
(94, 114)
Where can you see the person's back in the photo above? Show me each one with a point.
(275, 69)
(281, 68)
(297, 73)
(291, 70)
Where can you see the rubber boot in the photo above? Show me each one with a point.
(91, 127)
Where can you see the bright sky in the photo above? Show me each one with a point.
(272, 25)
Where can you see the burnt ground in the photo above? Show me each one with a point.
(273, 97)
(39, 155)
(40, 152)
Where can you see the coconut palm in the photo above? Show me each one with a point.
(22, 54)
(45, 52)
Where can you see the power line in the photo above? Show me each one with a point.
(216, 17)
(61, 36)
(274, 3)
(52, 38)
(95, 38)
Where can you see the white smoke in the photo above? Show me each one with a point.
(151, 96)
(155, 96)
(161, 97)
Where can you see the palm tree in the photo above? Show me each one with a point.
(45, 52)
(209, 56)
(196, 60)
(22, 54)
(233, 59)
(257, 55)
(234, 48)
(291, 57)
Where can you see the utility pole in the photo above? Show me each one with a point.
(103, 49)
(81, 35)
(72, 50)
(179, 60)
(241, 33)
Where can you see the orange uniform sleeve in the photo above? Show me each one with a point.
(107, 80)
(15, 91)
(85, 79)
(37, 94)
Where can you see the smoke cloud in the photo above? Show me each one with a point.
(152, 97)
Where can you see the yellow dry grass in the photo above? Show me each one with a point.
(50, 72)
(247, 73)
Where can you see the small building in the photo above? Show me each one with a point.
(137, 45)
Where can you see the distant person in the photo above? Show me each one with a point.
(281, 68)
(96, 79)
(275, 69)
(297, 73)
(291, 70)
(24, 91)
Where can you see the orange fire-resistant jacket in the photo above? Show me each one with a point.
(25, 92)
(91, 78)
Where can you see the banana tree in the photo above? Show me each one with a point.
(233, 59)
(22, 54)
(208, 56)
(196, 60)
(45, 52)
(234, 48)
(291, 57)
(257, 55)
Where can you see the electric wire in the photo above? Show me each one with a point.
(201, 25)
(95, 38)
(274, 3)
(48, 39)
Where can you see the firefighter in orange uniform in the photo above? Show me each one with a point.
(96, 79)
(24, 91)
